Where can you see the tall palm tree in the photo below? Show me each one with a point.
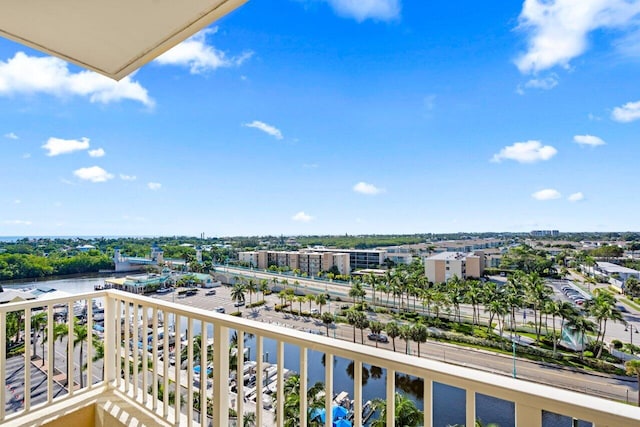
(264, 287)
(376, 327)
(473, 296)
(38, 323)
(372, 280)
(406, 412)
(291, 395)
(603, 308)
(405, 334)
(80, 334)
(582, 326)
(321, 299)
(237, 293)
(252, 288)
(419, 334)
(633, 368)
(327, 319)
(355, 318)
(393, 331)
(456, 288)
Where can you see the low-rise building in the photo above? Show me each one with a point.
(443, 266)
(310, 262)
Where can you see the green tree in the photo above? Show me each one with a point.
(321, 299)
(406, 412)
(376, 327)
(237, 293)
(80, 334)
(419, 334)
(603, 308)
(38, 323)
(327, 319)
(393, 331)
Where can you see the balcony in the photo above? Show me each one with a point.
(109, 385)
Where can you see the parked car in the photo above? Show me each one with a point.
(378, 337)
(211, 292)
(239, 304)
(314, 311)
(220, 309)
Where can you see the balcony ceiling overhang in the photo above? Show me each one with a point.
(113, 37)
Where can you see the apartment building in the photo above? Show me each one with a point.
(310, 262)
(443, 266)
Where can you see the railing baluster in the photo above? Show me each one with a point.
(328, 389)
(259, 380)
(154, 351)
(204, 375)
(165, 364)
(280, 382)
(127, 345)
(112, 341)
(135, 350)
(70, 339)
(26, 396)
(357, 392)
(428, 402)
(220, 375)
(190, 371)
(89, 355)
(240, 378)
(528, 415)
(145, 353)
(118, 367)
(178, 383)
(303, 386)
(471, 407)
(3, 366)
(391, 397)
(50, 353)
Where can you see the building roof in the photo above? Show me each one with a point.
(611, 268)
(114, 37)
(450, 256)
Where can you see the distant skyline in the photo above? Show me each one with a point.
(301, 117)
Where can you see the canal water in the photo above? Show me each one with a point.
(448, 401)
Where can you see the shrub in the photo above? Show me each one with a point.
(236, 313)
(257, 304)
(617, 344)
(588, 354)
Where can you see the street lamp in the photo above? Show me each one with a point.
(630, 327)
(513, 345)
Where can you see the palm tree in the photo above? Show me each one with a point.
(376, 327)
(554, 308)
(456, 292)
(603, 308)
(80, 334)
(252, 288)
(473, 297)
(321, 299)
(60, 330)
(327, 319)
(537, 293)
(38, 322)
(264, 287)
(405, 334)
(633, 368)
(406, 412)
(581, 325)
(419, 334)
(373, 282)
(291, 394)
(237, 293)
(300, 299)
(355, 319)
(393, 331)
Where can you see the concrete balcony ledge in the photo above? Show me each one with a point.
(99, 407)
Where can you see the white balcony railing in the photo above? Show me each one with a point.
(129, 318)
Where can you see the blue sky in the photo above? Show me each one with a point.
(337, 116)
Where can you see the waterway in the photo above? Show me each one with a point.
(448, 402)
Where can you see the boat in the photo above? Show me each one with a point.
(163, 291)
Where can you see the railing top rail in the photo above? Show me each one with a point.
(550, 398)
(21, 305)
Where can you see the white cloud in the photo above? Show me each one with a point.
(127, 177)
(271, 130)
(200, 57)
(366, 188)
(546, 194)
(57, 146)
(557, 30)
(24, 74)
(360, 10)
(11, 135)
(627, 113)
(591, 140)
(525, 152)
(93, 174)
(154, 186)
(98, 152)
(16, 222)
(576, 197)
(544, 83)
(302, 217)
